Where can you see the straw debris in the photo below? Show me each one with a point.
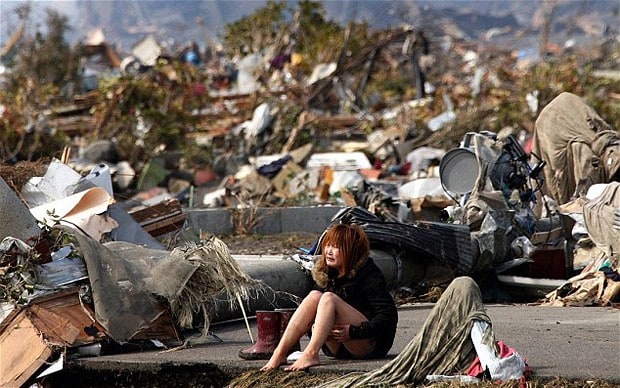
(216, 272)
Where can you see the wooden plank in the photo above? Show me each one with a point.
(163, 208)
(63, 320)
(163, 329)
(546, 237)
(160, 218)
(22, 351)
(165, 226)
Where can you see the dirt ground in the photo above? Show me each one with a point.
(273, 244)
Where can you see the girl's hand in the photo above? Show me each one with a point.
(340, 333)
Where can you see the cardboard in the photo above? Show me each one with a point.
(79, 210)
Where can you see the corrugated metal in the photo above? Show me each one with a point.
(449, 244)
(62, 272)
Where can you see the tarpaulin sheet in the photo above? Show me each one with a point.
(442, 346)
(572, 138)
(120, 281)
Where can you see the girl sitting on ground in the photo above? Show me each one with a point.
(350, 312)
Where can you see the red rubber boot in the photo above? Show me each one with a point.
(285, 317)
(268, 323)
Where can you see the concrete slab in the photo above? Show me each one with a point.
(568, 342)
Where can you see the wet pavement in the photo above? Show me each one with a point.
(567, 342)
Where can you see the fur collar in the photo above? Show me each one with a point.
(321, 278)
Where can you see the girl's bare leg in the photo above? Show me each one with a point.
(298, 325)
(331, 310)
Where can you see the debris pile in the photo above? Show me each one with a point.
(82, 269)
(483, 168)
(67, 289)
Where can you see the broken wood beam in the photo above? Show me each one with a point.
(160, 218)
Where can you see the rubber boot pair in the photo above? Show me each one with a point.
(271, 326)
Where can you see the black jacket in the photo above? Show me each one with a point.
(368, 293)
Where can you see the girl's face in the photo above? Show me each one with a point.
(333, 258)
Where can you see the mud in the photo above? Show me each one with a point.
(168, 375)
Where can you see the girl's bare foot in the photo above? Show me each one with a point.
(304, 362)
(273, 363)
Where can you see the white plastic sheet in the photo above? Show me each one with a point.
(507, 368)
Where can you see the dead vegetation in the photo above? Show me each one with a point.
(18, 174)
(279, 378)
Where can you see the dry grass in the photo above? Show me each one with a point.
(18, 174)
(279, 378)
(216, 272)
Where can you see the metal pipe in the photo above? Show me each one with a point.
(288, 282)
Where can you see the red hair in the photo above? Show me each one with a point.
(351, 240)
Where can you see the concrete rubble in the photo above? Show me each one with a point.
(101, 252)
